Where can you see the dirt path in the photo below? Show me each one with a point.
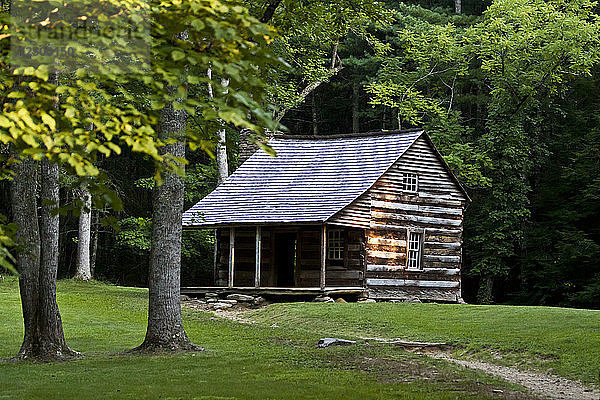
(550, 386)
(546, 385)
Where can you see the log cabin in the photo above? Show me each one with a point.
(376, 213)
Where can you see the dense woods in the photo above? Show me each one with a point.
(509, 90)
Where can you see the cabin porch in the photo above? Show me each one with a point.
(289, 293)
(284, 258)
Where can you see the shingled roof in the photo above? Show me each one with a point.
(310, 179)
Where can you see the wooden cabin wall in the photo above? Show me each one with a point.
(222, 267)
(267, 273)
(245, 250)
(245, 257)
(349, 272)
(437, 209)
(309, 257)
(357, 214)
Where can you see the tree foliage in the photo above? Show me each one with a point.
(111, 87)
(519, 59)
(508, 90)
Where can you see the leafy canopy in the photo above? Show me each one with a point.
(122, 59)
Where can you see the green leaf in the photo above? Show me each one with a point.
(177, 55)
(48, 120)
(5, 122)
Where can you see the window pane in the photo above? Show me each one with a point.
(409, 182)
(335, 244)
(415, 250)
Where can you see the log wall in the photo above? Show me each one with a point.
(436, 210)
(387, 213)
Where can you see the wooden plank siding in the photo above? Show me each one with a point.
(436, 210)
(357, 214)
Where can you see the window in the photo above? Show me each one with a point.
(414, 250)
(410, 182)
(335, 244)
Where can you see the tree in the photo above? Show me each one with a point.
(309, 38)
(165, 325)
(84, 271)
(38, 262)
(37, 129)
(229, 104)
(221, 147)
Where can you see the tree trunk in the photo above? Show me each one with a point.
(485, 293)
(94, 246)
(165, 326)
(84, 271)
(355, 107)
(222, 163)
(458, 6)
(221, 153)
(315, 124)
(37, 262)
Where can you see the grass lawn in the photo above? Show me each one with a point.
(562, 340)
(279, 362)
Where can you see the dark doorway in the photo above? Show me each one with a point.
(285, 258)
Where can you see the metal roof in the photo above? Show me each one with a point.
(309, 180)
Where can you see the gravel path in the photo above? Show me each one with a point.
(550, 386)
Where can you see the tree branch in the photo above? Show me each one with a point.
(270, 11)
(335, 58)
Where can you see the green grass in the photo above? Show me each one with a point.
(565, 341)
(242, 361)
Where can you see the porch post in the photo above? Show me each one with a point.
(216, 258)
(231, 255)
(258, 256)
(323, 254)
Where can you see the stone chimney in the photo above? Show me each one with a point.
(247, 147)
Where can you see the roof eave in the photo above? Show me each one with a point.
(249, 224)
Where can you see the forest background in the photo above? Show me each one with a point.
(509, 91)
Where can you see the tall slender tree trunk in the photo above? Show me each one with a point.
(84, 270)
(313, 108)
(355, 107)
(94, 245)
(165, 326)
(222, 162)
(37, 262)
(221, 153)
(485, 292)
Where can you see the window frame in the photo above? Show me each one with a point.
(412, 176)
(419, 251)
(335, 245)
